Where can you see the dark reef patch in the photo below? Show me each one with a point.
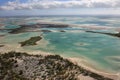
(32, 27)
(46, 31)
(111, 34)
(62, 31)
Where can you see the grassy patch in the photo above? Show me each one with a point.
(31, 41)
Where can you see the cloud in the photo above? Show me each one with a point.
(46, 4)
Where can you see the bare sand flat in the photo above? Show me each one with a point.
(81, 62)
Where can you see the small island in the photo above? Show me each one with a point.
(23, 66)
(31, 41)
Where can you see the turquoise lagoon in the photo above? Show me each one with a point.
(102, 51)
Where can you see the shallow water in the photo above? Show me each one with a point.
(100, 49)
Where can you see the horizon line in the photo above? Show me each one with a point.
(60, 15)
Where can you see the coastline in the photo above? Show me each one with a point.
(77, 61)
(100, 72)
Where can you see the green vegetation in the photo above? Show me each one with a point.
(31, 41)
(22, 66)
(6, 67)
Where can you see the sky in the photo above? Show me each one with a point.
(59, 7)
